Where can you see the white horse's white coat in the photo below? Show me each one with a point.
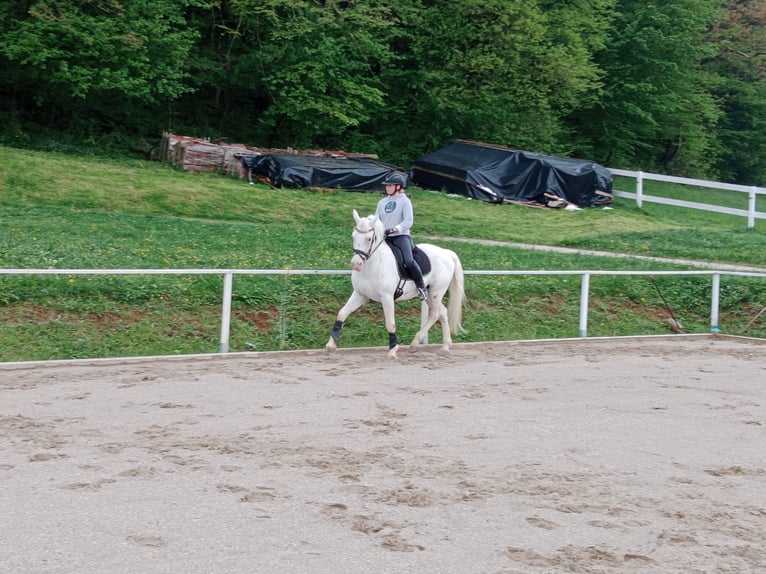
(375, 278)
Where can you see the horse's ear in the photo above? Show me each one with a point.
(356, 216)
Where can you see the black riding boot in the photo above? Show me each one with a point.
(417, 276)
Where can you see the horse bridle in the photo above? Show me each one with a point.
(365, 255)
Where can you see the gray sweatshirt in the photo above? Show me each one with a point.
(396, 211)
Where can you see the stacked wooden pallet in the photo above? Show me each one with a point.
(203, 155)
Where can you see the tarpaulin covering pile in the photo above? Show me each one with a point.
(306, 171)
(503, 175)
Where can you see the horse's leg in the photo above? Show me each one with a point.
(425, 311)
(389, 315)
(429, 313)
(446, 331)
(354, 302)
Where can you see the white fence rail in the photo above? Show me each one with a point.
(228, 282)
(752, 191)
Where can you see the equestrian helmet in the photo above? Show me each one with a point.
(396, 178)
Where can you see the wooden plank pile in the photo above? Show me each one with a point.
(202, 155)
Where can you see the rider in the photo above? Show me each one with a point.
(395, 211)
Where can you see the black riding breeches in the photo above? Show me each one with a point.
(404, 244)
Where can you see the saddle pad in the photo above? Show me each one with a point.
(418, 254)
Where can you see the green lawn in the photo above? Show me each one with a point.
(73, 212)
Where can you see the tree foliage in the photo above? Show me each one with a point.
(676, 86)
(136, 48)
(740, 64)
(656, 98)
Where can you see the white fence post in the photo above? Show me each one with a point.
(751, 208)
(715, 299)
(226, 312)
(584, 288)
(639, 188)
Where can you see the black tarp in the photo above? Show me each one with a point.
(498, 174)
(305, 171)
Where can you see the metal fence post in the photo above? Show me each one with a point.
(715, 299)
(584, 288)
(226, 312)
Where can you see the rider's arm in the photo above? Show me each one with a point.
(408, 218)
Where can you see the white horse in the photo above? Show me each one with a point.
(375, 277)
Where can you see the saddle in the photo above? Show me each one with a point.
(404, 275)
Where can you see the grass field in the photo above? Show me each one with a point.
(83, 213)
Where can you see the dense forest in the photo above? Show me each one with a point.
(675, 86)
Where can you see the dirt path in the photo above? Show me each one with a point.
(569, 250)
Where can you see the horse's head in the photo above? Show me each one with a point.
(367, 237)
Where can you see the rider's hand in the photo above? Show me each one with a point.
(389, 231)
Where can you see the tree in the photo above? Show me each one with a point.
(298, 73)
(655, 110)
(741, 65)
(104, 55)
(501, 71)
(136, 47)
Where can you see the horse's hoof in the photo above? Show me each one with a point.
(392, 352)
(415, 347)
(330, 349)
(416, 341)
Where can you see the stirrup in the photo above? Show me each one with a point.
(423, 293)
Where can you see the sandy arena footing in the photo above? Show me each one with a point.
(627, 455)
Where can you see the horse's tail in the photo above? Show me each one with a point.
(456, 297)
